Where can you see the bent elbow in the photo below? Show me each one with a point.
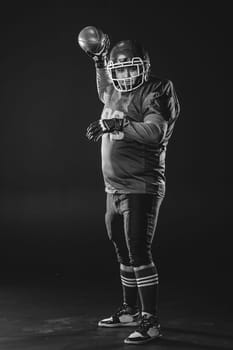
(157, 133)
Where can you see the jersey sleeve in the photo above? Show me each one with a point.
(103, 84)
(160, 107)
(161, 102)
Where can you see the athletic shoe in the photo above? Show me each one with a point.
(148, 330)
(123, 317)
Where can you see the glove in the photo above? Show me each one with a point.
(96, 129)
(101, 57)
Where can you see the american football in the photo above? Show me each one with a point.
(91, 39)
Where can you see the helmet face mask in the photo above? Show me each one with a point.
(128, 66)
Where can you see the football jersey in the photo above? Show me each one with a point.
(133, 161)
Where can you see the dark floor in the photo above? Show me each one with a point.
(64, 278)
(60, 311)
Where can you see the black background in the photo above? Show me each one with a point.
(52, 194)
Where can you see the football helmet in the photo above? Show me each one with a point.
(128, 65)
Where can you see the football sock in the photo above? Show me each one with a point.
(147, 283)
(129, 285)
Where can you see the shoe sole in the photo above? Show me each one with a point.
(118, 325)
(130, 342)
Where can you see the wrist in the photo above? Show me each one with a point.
(121, 123)
(125, 122)
(100, 61)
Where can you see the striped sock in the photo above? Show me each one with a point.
(147, 283)
(129, 285)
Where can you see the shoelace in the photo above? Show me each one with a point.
(123, 309)
(120, 310)
(146, 323)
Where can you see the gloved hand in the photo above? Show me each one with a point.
(101, 56)
(96, 129)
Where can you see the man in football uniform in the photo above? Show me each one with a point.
(138, 118)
